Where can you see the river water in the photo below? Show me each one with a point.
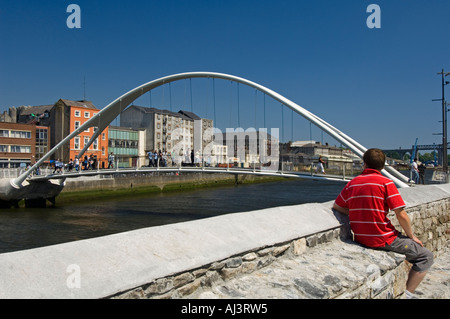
(23, 228)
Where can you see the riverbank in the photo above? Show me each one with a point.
(121, 186)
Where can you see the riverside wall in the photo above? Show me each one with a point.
(187, 260)
(158, 180)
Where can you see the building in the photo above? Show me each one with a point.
(127, 146)
(303, 154)
(33, 115)
(249, 148)
(42, 144)
(67, 116)
(203, 132)
(55, 122)
(166, 131)
(17, 145)
(37, 115)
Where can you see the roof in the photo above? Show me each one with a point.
(28, 110)
(181, 114)
(190, 115)
(82, 104)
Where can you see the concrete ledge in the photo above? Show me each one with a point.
(106, 266)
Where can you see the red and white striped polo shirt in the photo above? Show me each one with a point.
(369, 197)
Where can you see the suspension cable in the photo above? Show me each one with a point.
(282, 124)
(190, 85)
(292, 125)
(214, 100)
(256, 95)
(170, 95)
(239, 112)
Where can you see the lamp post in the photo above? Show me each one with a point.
(444, 123)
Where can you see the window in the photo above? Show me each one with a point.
(77, 143)
(4, 133)
(95, 144)
(86, 141)
(20, 149)
(77, 113)
(20, 134)
(87, 115)
(103, 136)
(41, 134)
(77, 125)
(3, 148)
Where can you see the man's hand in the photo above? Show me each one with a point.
(405, 222)
(340, 209)
(417, 240)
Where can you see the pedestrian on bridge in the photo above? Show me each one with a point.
(320, 165)
(150, 158)
(76, 163)
(85, 163)
(111, 160)
(91, 163)
(415, 171)
(367, 200)
(422, 169)
(70, 165)
(58, 166)
(155, 158)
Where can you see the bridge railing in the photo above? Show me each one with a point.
(334, 171)
(335, 167)
(15, 172)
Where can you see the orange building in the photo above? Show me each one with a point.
(69, 115)
(99, 148)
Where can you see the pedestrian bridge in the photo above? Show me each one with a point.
(37, 189)
(28, 186)
(209, 170)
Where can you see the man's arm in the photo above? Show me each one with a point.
(404, 221)
(340, 209)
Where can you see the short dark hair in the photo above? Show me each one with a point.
(374, 158)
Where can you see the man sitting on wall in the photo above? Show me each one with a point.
(367, 200)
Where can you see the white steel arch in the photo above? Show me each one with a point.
(111, 111)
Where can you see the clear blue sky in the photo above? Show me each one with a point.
(376, 85)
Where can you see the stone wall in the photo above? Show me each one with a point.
(128, 181)
(430, 222)
(187, 260)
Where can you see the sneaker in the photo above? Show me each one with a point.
(409, 295)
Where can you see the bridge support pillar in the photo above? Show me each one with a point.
(9, 203)
(36, 203)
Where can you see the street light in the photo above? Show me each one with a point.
(444, 122)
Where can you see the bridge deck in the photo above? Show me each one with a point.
(209, 170)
